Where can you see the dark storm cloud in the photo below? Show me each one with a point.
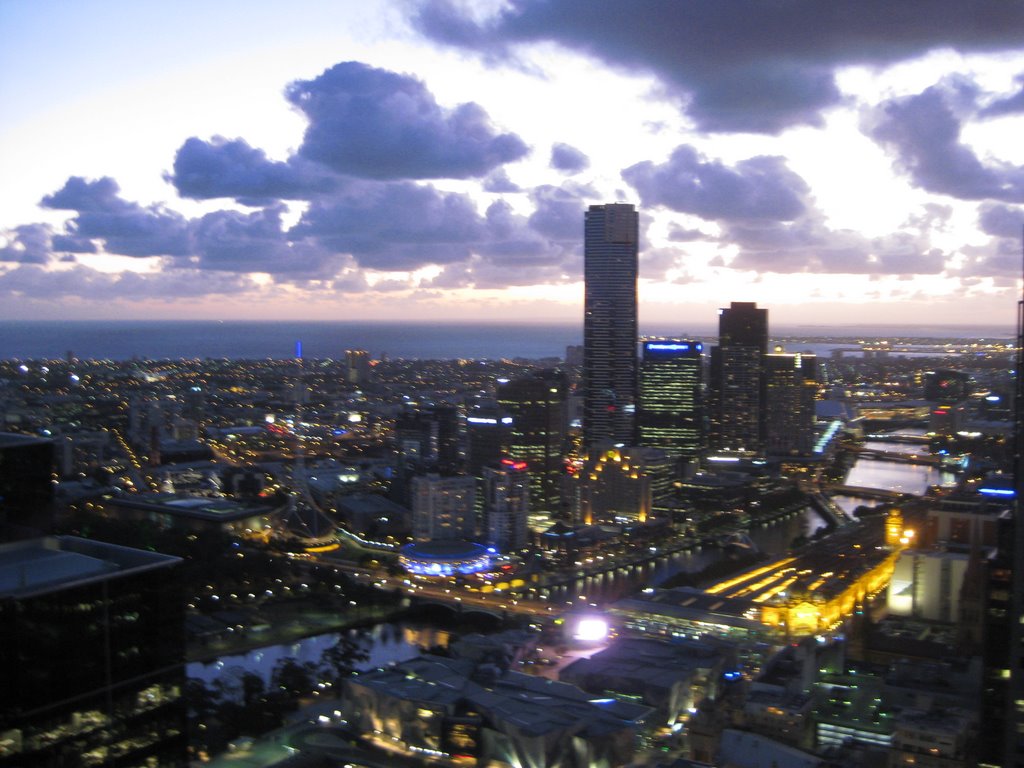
(127, 228)
(756, 188)
(28, 244)
(377, 124)
(809, 245)
(568, 159)
(255, 242)
(923, 132)
(745, 65)
(232, 168)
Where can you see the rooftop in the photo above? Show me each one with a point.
(38, 566)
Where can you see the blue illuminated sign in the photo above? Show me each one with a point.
(996, 491)
(660, 346)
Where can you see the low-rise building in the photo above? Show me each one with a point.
(447, 708)
(671, 677)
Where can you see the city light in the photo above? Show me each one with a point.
(591, 630)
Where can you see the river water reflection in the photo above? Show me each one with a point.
(891, 476)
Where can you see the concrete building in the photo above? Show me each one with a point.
(673, 678)
(357, 366)
(443, 508)
(506, 505)
(456, 709)
(610, 271)
(791, 388)
(927, 585)
(537, 405)
(737, 379)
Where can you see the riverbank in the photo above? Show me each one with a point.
(287, 622)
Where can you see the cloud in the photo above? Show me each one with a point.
(500, 182)
(1001, 220)
(678, 234)
(923, 132)
(757, 188)
(82, 282)
(740, 66)
(558, 211)
(255, 242)
(394, 226)
(231, 168)
(809, 245)
(28, 244)
(377, 124)
(568, 159)
(1009, 105)
(126, 228)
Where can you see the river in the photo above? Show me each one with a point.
(394, 641)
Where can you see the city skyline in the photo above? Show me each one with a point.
(430, 159)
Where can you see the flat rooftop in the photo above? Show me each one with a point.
(199, 507)
(8, 439)
(53, 563)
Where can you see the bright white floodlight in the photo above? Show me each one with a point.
(592, 630)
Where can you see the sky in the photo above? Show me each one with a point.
(849, 162)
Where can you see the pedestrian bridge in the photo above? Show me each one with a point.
(869, 493)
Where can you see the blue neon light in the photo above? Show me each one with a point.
(664, 347)
(996, 491)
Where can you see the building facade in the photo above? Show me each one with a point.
(737, 378)
(93, 645)
(670, 412)
(537, 405)
(506, 505)
(791, 388)
(611, 256)
(443, 507)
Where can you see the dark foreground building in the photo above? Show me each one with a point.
(92, 652)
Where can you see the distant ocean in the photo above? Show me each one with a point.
(165, 340)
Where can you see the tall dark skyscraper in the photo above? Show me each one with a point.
(737, 378)
(670, 414)
(610, 255)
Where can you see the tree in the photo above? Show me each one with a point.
(292, 678)
(340, 660)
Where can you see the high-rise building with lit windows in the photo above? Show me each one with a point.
(443, 507)
(610, 268)
(791, 389)
(506, 505)
(670, 411)
(737, 379)
(537, 405)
